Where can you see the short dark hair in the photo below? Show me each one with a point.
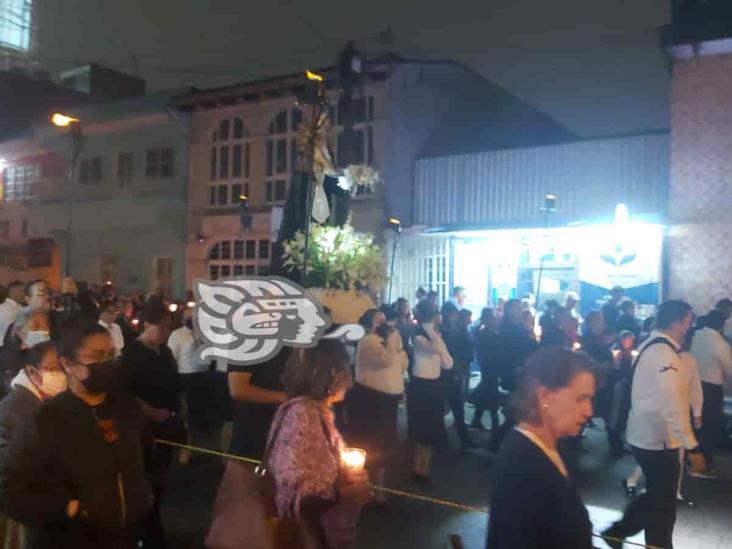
(457, 290)
(37, 352)
(715, 320)
(73, 338)
(319, 371)
(432, 293)
(671, 311)
(154, 310)
(367, 319)
(550, 367)
(626, 334)
(465, 312)
(106, 304)
(424, 312)
(487, 314)
(724, 303)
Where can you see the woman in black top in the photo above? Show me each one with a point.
(534, 505)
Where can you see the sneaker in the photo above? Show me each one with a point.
(708, 473)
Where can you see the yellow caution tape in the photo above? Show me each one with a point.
(408, 495)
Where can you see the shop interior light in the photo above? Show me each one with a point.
(550, 203)
(621, 214)
(173, 307)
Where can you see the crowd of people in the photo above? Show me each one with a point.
(91, 379)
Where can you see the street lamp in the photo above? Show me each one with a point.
(550, 206)
(65, 121)
(396, 226)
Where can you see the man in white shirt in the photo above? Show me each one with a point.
(571, 300)
(108, 312)
(10, 307)
(658, 426)
(714, 359)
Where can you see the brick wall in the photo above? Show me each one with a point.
(700, 197)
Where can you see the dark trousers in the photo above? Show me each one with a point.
(486, 397)
(712, 429)
(655, 510)
(453, 380)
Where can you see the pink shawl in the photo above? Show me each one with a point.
(305, 458)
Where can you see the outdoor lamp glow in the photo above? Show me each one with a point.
(62, 120)
(314, 77)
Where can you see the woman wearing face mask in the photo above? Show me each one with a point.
(74, 472)
(533, 502)
(31, 327)
(41, 379)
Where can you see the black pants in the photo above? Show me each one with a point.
(486, 397)
(712, 430)
(655, 510)
(453, 380)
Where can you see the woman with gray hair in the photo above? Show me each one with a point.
(31, 327)
(533, 502)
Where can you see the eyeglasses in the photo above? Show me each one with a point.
(93, 358)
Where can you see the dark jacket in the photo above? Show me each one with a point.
(628, 323)
(15, 408)
(532, 505)
(61, 454)
(460, 346)
(514, 346)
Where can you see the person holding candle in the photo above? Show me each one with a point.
(426, 399)
(319, 482)
(533, 501)
(374, 400)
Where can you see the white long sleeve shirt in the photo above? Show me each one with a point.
(430, 355)
(8, 312)
(184, 347)
(713, 356)
(381, 367)
(659, 415)
(117, 338)
(691, 390)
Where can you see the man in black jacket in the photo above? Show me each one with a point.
(515, 344)
(75, 471)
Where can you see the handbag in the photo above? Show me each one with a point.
(245, 514)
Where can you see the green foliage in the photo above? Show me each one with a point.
(338, 258)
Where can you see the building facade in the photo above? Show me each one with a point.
(243, 141)
(699, 42)
(483, 221)
(126, 207)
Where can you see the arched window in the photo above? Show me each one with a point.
(237, 257)
(230, 162)
(281, 153)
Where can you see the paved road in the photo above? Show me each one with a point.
(464, 477)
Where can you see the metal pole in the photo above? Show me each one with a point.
(541, 262)
(75, 150)
(391, 269)
(316, 113)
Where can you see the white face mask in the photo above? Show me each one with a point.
(53, 383)
(35, 337)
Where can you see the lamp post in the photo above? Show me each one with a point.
(64, 121)
(246, 224)
(550, 206)
(396, 225)
(319, 106)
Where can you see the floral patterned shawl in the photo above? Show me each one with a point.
(305, 458)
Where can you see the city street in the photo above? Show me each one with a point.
(464, 478)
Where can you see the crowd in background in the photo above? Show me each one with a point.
(122, 371)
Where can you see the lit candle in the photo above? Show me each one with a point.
(353, 459)
(577, 346)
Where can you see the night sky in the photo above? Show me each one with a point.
(594, 65)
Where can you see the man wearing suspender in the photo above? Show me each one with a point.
(657, 428)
